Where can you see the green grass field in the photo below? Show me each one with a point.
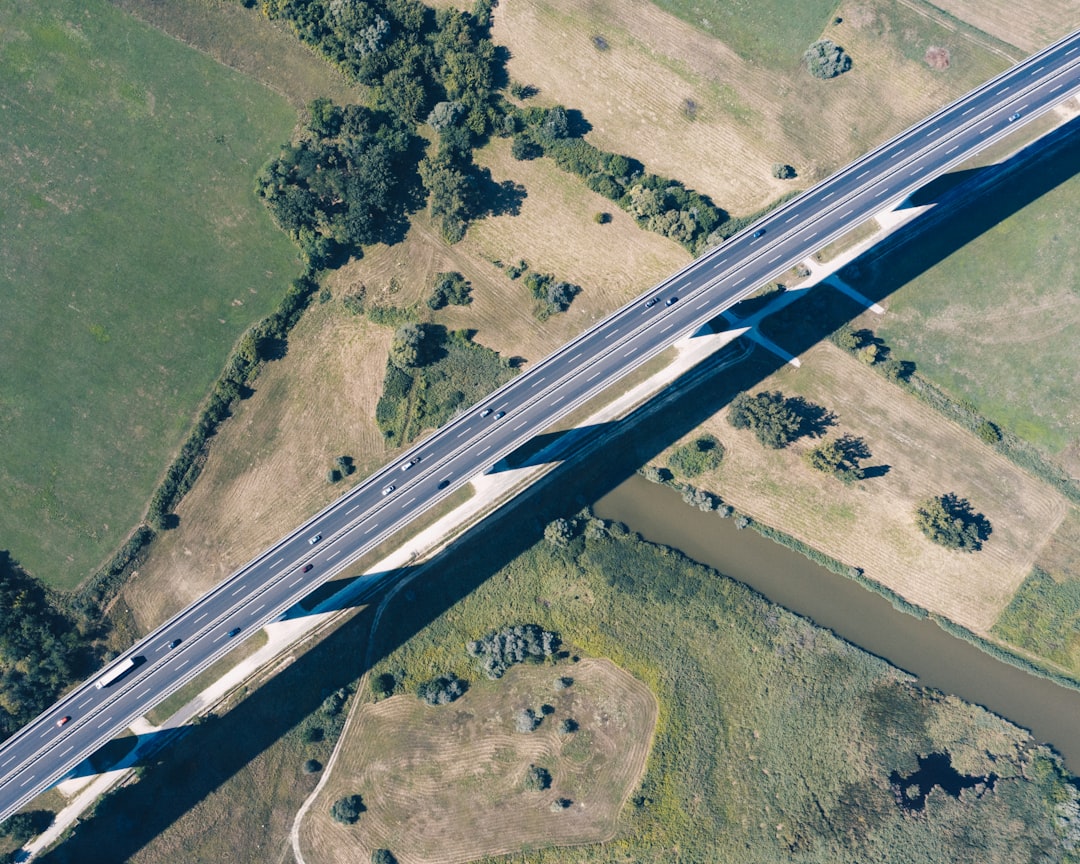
(133, 253)
(988, 303)
(776, 32)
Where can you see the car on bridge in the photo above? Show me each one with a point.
(759, 233)
(313, 540)
(307, 567)
(652, 301)
(672, 301)
(62, 721)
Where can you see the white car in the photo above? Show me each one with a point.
(313, 540)
(387, 490)
(407, 465)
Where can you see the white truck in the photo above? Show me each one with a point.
(116, 673)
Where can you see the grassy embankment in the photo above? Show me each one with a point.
(134, 254)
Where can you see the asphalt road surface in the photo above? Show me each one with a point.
(44, 751)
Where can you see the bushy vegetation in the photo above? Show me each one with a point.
(825, 59)
(501, 649)
(422, 389)
(698, 456)
(949, 521)
(777, 420)
(812, 727)
(41, 649)
(442, 690)
(347, 810)
(527, 720)
(450, 289)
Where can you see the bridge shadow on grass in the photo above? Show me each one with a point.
(267, 735)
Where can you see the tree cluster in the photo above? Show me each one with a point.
(501, 649)
(825, 59)
(347, 810)
(22, 826)
(40, 649)
(344, 184)
(656, 203)
(950, 522)
(560, 532)
(442, 690)
(450, 289)
(775, 420)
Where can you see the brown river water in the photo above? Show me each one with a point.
(942, 661)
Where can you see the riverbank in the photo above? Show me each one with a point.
(868, 620)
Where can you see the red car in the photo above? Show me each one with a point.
(62, 721)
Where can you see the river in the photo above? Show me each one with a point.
(860, 616)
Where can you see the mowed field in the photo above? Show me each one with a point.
(425, 773)
(132, 255)
(746, 115)
(870, 524)
(267, 468)
(1029, 26)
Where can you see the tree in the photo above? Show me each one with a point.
(537, 779)
(782, 172)
(839, 457)
(568, 725)
(450, 288)
(383, 856)
(406, 348)
(825, 59)
(445, 114)
(526, 720)
(773, 421)
(347, 810)
(312, 766)
(949, 521)
(383, 685)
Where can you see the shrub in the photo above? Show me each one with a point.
(568, 725)
(949, 521)
(564, 682)
(602, 218)
(537, 779)
(988, 432)
(825, 59)
(312, 766)
(782, 172)
(700, 455)
(383, 856)
(560, 532)
(560, 804)
(347, 810)
(383, 685)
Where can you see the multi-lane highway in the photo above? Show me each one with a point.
(262, 589)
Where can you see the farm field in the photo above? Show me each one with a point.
(870, 523)
(133, 255)
(988, 304)
(1029, 26)
(691, 107)
(424, 772)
